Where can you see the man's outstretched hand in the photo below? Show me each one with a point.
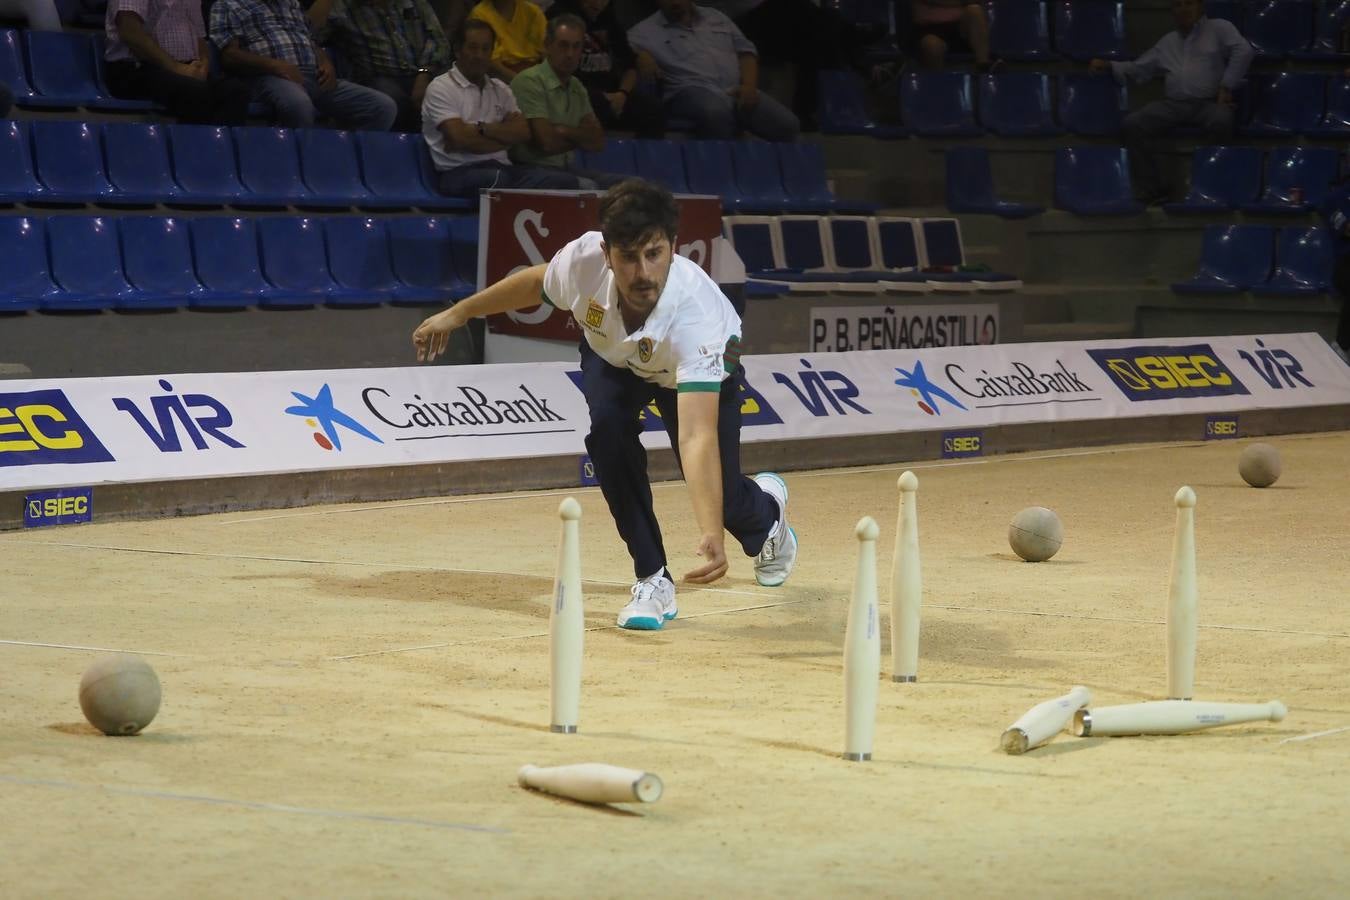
(711, 549)
(432, 337)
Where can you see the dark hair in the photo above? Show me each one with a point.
(634, 211)
(473, 25)
(569, 20)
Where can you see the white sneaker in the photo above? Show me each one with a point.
(652, 606)
(779, 553)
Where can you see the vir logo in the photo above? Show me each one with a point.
(1276, 366)
(819, 388)
(319, 412)
(926, 393)
(171, 406)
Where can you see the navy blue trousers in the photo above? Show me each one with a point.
(615, 398)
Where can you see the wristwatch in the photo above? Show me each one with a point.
(424, 71)
(480, 130)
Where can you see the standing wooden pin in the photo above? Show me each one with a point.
(1181, 603)
(566, 625)
(906, 585)
(862, 649)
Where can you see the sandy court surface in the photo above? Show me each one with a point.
(348, 692)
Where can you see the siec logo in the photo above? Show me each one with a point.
(1164, 373)
(1221, 428)
(67, 506)
(926, 393)
(961, 444)
(41, 427)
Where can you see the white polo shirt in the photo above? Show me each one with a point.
(690, 341)
(452, 96)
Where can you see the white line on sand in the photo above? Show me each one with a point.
(1315, 734)
(94, 649)
(251, 804)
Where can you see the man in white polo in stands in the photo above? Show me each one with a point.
(656, 329)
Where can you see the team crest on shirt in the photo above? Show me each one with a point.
(595, 314)
(645, 350)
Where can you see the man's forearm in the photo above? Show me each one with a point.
(142, 46)
(518, 290)
(702, 466)
(749, 70)
(246, 63)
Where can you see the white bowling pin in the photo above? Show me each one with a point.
(862, 649)
(566, 625)
(1043, 721)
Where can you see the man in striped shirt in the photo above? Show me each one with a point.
(394, 46)
(269, 42)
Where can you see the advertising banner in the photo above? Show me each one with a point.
(838, 329)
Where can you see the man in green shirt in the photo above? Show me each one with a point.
(558, 106)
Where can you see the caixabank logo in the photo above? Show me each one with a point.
(1167, 373)
(755, 410)
(42, 427)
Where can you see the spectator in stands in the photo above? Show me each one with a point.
(609, 71)
(41, 15)
(710, 73)
(6, 99)
(558, 108)
(157, 51)
(805, 35)
(393, 46)
(470, 120)
(519, 26)
(1203, 61)
(269, 41)
(1336, 211)
(939, 27)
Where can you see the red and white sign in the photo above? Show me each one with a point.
(518, 229)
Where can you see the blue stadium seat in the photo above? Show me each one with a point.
(662, 162)
(1094, 181)
(390, 169)
(64, 74)
(107, 100)
(843, 107)
(204, 165)
(944, 250)
(86, 264)
(970, 186)
(1233, 258)
(1283, 103)
(1017, 104)
(330, 169)
(898, 241)
(68, 157)
(616, 158)
(1326, 42)
(23, 247)
(803, 166)
(1277, 28)
(421, 155)
(752, 238)
(806, 265)
(138, 163)
(424, 258)
(759, 179)
(157, 256)
(938, 104)
(1304, 260)
(269, 167)
(1335, 121)
(294, 261)
(1019, 30)
(709, 170)
(18, 176)
(225, 250)
(1222, 178)
(1311, 170)
(1095, 28)
(464, 252)
(13, 71)
(1091, 104)
(358, 257)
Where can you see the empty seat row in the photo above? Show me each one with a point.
(1296, 180)
(139, 164)
(1284, 262)
(58, 70)
(862, 254)
(1287, 29)
(1020, 29)
(162, 262)
(749, 176)
(1283, 104)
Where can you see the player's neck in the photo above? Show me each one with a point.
(633, 319)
